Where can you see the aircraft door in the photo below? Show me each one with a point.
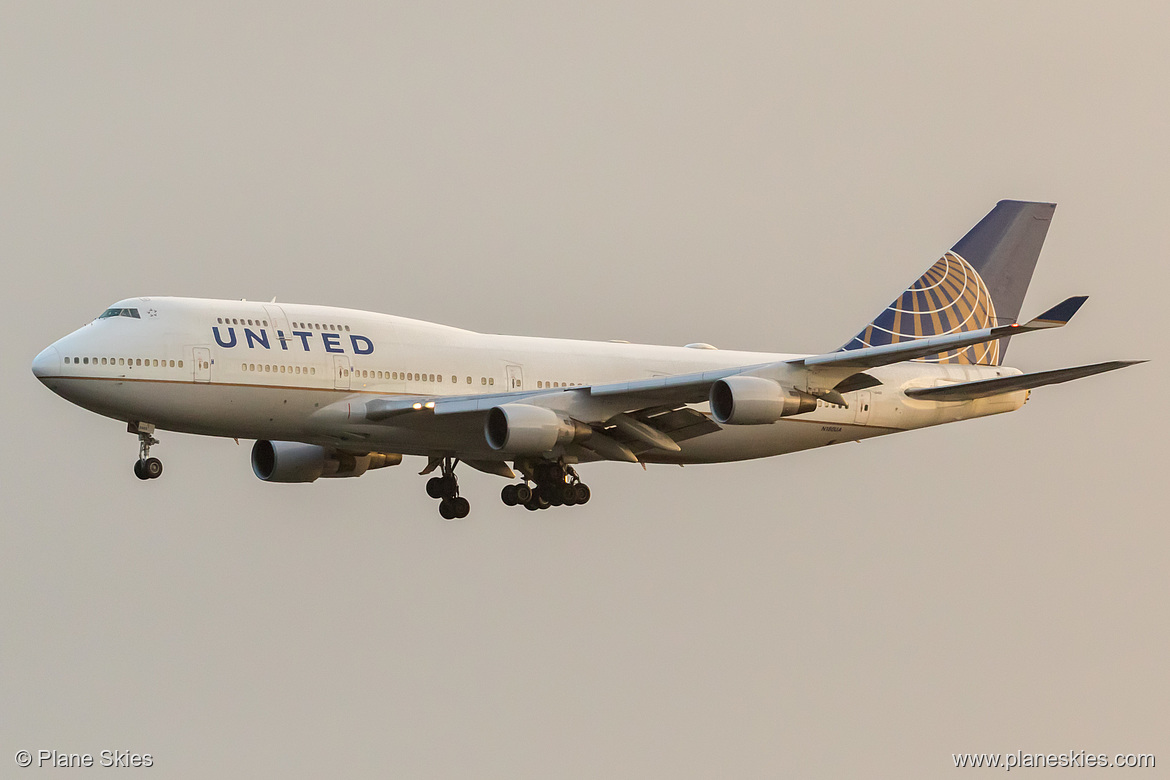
(341, 372)
(515, 378)
(863, 401)
(202, 362)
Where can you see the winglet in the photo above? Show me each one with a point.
(1059, 314)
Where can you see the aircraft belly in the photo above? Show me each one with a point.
(202, 408)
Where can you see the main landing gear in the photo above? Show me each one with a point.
(145, 467)
(452, 506)
(554, 484)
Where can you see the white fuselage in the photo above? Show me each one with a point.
(263, 371)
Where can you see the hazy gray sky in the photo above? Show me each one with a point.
(756, 176)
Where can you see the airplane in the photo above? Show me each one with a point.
(333, 392)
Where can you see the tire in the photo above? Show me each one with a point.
(531, 505)
(523, 493)
(446, 510)
(582, 493)
(569, 495)
(508, 495)
(152, 468)
(435, 487)
(461, 506)
(138, 472)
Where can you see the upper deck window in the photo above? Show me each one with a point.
(120, 313)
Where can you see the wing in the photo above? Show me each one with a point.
(622, 420)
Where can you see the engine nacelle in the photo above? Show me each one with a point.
(291, 461)
(523, 429)
(753, 400)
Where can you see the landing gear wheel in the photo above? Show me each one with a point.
(138, 472)
(523, 494)
(447, 509)
(461, 506)
(152, 468)
(582, 491)
(508, 495)
(435, 487)
(568, 494)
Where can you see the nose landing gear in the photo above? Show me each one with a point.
(145, 467)
(452, 506)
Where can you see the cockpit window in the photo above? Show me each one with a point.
(120, 313)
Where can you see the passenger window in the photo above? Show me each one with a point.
(539, 384)
(454, 379)
(468, 380)
(219, 320)
(244, 367)
(395, 375)
(432, 377)
(483, 380)
(312, 370)
(347, 328)
(180, 364)
(491, 380)
(172, 364)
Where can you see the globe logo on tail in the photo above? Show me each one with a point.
(949, 298)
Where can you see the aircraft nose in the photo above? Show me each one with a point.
(47, 364)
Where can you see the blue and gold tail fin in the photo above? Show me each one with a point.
(979, 283)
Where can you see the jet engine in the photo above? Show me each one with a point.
(290, 461)
(523, 429)
(753, 400)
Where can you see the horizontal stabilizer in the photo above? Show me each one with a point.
(967, 391)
